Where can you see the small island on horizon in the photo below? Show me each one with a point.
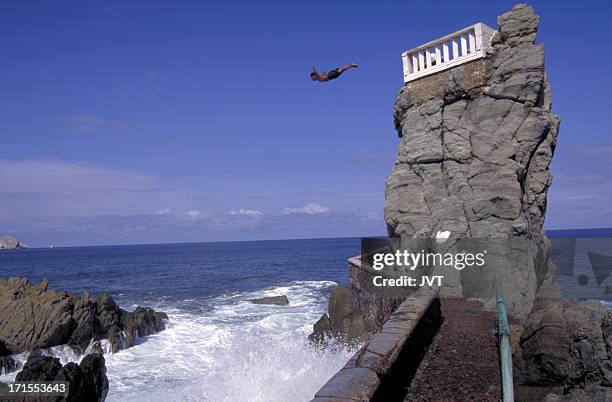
(10, 243)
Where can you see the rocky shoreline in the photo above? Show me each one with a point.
(34, 318)
(563, 350)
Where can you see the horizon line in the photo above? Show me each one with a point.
(261, 240)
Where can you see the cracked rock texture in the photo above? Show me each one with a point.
(33, 317)
(564, 351)
(476, 142)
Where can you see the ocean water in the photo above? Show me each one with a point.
(218, 346)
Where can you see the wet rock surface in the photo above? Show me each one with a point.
(7, 364)
(87, 381)
(353, 315)
(33, 317)
(275, 300)
(565, 350)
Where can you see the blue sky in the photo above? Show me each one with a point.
(148, 121)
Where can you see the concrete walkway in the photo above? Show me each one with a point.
(462, 362)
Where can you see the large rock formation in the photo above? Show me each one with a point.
(476, 144)
(10, 243)
(32, 317)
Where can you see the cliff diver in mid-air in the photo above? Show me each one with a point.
(330, 75)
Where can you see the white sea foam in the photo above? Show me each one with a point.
(233, 351)
(238, 352)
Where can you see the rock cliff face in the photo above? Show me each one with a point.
(476, 144)
(32, 317)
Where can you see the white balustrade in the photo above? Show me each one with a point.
(449, 51)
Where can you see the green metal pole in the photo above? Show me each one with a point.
(505, 351)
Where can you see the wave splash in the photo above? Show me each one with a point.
(227, 349)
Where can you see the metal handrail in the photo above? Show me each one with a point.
(505, 350)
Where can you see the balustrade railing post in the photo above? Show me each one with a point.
(478, 33)
(472, 42)
(455, 49)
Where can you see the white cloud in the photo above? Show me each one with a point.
(194, 215)
(55, 188)
(246, 212)
(311, 209)
(163, 211)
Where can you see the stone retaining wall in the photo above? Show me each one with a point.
(386, 363)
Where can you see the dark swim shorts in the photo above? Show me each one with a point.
(333, 74)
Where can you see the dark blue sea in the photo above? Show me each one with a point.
(175, 272)
(218, 346)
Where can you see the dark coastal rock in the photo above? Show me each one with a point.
(7, 364)
(10, 243)
(31, 317)
(321, 330)
(343, 316)
(276, 300)
(353, 315)
(590, 394)
(39, 368)
(344, 321)
(565, 349)
(87, 381)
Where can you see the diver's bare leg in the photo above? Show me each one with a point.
(347, 67)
